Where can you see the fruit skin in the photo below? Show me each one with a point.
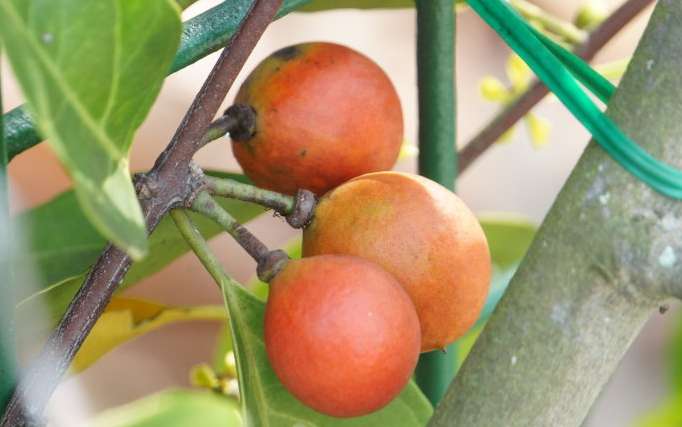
(341, 334)
(422, 234)
(325, 114)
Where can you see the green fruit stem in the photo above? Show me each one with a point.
(225, 187)
(269, 262)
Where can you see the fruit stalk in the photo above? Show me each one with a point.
(170, 182)
(269, 262)
(204, 204)
(607, 254)
(437, 155)
(224, 187)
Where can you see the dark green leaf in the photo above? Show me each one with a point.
(175, 408)
(264, 399)
(91, 71)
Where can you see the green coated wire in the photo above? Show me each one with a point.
(591, 79)
(521, 38)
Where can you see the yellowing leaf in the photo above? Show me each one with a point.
(493, 90)
(127, 318)
(538, 128)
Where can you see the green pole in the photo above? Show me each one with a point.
(7, 356)
(437, 153)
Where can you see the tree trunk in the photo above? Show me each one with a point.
(609, 251)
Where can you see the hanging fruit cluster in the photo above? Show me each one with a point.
(393, 264)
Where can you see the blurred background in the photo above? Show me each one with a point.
(514, 176)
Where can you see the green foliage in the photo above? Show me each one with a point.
(668, 414)
(509, 238)
(90, 81)
(62, 245)
(674, 357)
(264, 399)
(174, 408)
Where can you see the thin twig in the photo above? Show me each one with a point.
(171, 183)
(537, 91)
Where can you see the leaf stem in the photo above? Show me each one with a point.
(226, 187)
(537, 91)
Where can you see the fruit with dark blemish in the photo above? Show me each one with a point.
(422, 234)
(324, 114)
(341, 334)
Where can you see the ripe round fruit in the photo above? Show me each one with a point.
(422, 234)
(324, 114)
(341, 334)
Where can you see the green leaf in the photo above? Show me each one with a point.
(264, 399)
(62, 245)
(91, 71)
(223, 346)
(173, 408)
(668, 414)
(128, 318)
(509, 237)
(674, 357)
